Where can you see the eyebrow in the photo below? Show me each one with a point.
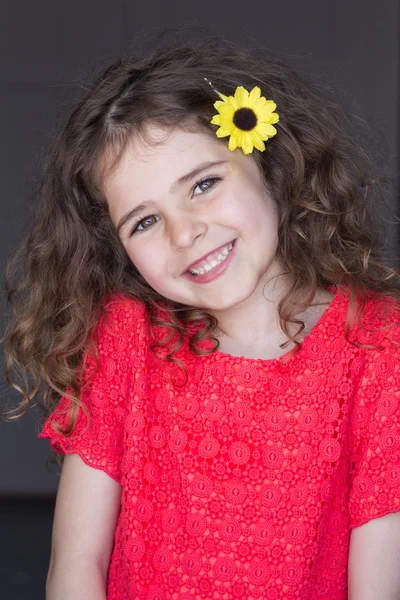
(181, 181)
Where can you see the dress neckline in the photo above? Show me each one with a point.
(309, 338)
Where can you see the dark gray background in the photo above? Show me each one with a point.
(47, 47)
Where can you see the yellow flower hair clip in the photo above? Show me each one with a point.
(247, 117)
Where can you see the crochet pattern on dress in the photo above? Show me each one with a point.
(245, 481)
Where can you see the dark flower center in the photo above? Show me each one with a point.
(245, 118)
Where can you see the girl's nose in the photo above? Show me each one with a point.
(184, 230)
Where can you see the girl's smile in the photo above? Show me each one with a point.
(214, 265)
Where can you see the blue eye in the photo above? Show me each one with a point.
(210, 180)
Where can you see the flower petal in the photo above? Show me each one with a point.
(259, 105)
(270, 119)
(228, 123)
(224, 98)
(242, 96)
(269, 106)
(226, 111)
(232, 143)
(257, 141)
(233, 102)
(239, 137)
(247, 143)
(263, 130)
(221, 132)
(274, 118)
(216, 120)
(270, 130)
(254, 96)
(230, 103)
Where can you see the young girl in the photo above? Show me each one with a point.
(206, 315)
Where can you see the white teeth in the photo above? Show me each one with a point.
(213, 263)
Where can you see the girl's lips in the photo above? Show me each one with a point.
(208, 254)
(216, 271)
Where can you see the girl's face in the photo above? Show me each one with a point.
(198, 196)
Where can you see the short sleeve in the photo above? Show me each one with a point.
(99, 439)
(375, 432)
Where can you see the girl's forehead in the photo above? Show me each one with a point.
(158, 144)
(166, 154)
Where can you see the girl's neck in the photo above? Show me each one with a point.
(252, 329)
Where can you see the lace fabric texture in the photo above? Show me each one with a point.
(246, 480)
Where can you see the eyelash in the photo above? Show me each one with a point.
(213, 179)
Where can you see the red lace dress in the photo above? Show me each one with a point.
(246, 480)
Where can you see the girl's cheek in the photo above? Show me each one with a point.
(233, 206)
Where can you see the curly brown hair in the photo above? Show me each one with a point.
(72, 258)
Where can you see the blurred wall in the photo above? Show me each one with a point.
(48, 46)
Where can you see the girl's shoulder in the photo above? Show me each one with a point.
(120, 313)
(118, 305)
(379, 322)
(121, 329)
(371, 320)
